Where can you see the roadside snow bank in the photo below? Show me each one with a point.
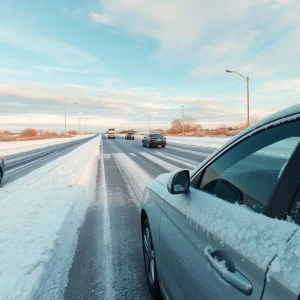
(9, 148)
(39, 218)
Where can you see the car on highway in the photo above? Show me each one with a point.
(129, 136)
(230, 228)
(2, 169)
(154, 140)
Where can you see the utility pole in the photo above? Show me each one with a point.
(182, 112)
(248, 98)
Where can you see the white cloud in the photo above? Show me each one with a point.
(13, 71)
(278, 85)
(175, 23)
(46, 47)
(102, 19)
(49, 69)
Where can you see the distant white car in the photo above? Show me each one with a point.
(230, 228)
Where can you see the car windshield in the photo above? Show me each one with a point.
(99, 101)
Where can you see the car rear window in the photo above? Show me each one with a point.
(156, 135)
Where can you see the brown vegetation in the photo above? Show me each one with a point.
(193, 128)
(33, 134)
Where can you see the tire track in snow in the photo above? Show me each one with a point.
(109, 270)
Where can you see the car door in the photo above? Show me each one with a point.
(212, 247)
(283, 278)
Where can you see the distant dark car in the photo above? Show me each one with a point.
(2, 168)
(154, 140)
(129, 136)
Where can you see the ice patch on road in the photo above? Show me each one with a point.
(182, 162)
(132, 171)
(39, 218)
(169, 167)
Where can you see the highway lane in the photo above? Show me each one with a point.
(108, 262)
(20, 164)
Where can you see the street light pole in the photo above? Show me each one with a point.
(248, 92)
(182, 112)
(248, 98)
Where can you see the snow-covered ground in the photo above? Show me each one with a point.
(39, 218)
(9, 148)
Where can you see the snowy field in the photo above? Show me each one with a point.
(9, 148)
(39, 217)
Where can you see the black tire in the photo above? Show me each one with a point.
(1, 176)
(149, 262)
(144, 145)
(164, 146)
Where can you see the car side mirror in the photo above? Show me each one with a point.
(179, 183)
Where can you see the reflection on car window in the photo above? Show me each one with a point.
(248, 172)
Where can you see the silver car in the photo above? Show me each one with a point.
(230, 228)
(2, 168)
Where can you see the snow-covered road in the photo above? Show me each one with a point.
(108, 263)
(44, 256)
(39, 217)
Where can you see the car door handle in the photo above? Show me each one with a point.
(236, 279)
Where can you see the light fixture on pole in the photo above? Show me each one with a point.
(248, 96)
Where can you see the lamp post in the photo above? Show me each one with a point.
(65, 109)
(248, 97)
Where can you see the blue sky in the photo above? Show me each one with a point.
(118, 58)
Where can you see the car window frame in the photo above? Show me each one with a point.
(285, 188)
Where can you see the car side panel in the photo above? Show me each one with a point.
(283, 278)
(152, 204)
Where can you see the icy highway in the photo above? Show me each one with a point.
(18, 165)
(108, 262)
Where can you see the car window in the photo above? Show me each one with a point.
(249, 171)
(156, 135)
